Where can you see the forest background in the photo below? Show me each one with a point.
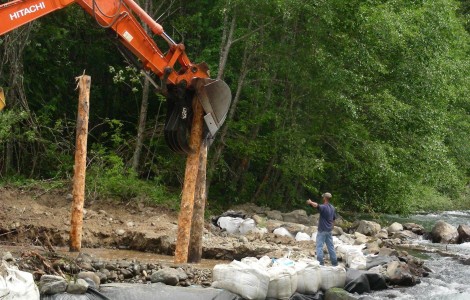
(368, 100)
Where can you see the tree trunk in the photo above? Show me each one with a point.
(141, 127)
(226, 44)
(221, 145)
(189, 188)
(197, 226)
(80, 164)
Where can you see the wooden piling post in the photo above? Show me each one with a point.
(2, 99)
(189, 187)
(197, 226)
(84, 83)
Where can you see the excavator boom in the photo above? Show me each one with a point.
(182, 80)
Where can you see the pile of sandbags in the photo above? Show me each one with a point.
(276, 279)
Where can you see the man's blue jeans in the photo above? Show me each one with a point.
(326, 237)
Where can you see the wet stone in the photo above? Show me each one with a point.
(77, 287)
(126, 273)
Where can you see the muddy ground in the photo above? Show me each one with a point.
(40, 219)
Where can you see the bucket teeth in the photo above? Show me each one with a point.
(178, 122)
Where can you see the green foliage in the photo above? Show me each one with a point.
(365, 99)
(109, 178)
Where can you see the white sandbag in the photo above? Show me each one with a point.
(332, 277)
(282, 282)
(353, 256)
(283, 262)
(231, 225)
(302, 236)
(250, 282)
(17, 285)
(264, 262)
(342, 250)
(314, 236)
(308, 276)
(247, 225)
(358, 262)
(283, 232)
(337, 241)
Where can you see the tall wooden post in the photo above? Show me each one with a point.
(84, 83)
(197, 226)
(189, 187)
(2, 99)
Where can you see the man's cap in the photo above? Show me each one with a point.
(326, 195)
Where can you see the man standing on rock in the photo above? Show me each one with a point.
(325, 226)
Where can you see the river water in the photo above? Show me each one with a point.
(450, 279)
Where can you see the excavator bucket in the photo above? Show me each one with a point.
(2, 99)
(215, 97)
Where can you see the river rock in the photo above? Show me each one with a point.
(274, 215)
(50, 284)
(126, 273)
(415, 228)
(398, 273)
(395, 227)
(384, 251)
(464, 233)
(91, 275)
(405, 235)
(337, 231)
(444, 233)
(382, 234)
(368, 228)
(259, 220)
(313, 219)
(77, 287)
(294, 228)
(168, 276)
(360, 238)
(7, 256)
(273, 224)
(373, 247)
(298, 216)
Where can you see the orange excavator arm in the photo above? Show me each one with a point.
(181, 78)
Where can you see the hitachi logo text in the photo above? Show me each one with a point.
(23, 12)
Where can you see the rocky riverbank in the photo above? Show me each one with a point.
(42, 223)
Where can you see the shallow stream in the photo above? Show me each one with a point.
(450, 279)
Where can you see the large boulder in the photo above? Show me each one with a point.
(444, 233)
(274, 215)
(395, 227)
(298, 216)
(368, 228)
(398, 273)
(464, 233)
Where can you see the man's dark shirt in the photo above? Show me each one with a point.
(327, 216)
